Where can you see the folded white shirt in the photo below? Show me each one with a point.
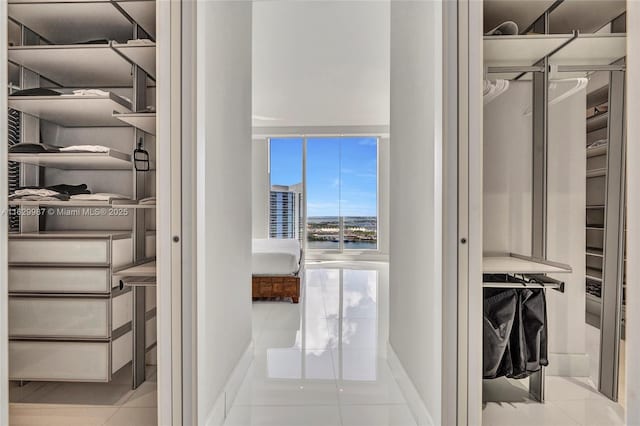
(85, 148)
(90, 92)
(99, 196)
(41, 192)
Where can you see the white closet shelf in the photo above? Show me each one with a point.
(74, 203)
(96, 65)
(516, 264)
(597, 122)
(145, 121)
(592, 49)
(143, 12)
(65, 23)
(523, 13)
(595, 151)
(596, 173)
(73, 111)
(520, 50)
(572, 15)
(143, 55)
(112, 160)
(144, 269)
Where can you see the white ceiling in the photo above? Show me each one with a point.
(321, 63)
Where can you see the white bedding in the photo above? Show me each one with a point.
(275, 256)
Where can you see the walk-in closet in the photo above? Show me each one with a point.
(553, 205)
(82, 205)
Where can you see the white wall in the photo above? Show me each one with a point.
(321, 63)
(224, 204)
(260, 187)
(415, 266)
(507, 180)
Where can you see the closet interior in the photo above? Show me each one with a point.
(545, 63)
(82, 198)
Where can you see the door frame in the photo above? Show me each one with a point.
(468, 20)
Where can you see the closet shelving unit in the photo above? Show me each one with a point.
(145, 121)
(536, 57)
(67, 45)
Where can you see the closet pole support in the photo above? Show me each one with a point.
(540, 138)
(614, 241)
(139, 231)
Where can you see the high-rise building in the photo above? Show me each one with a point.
(285, 211)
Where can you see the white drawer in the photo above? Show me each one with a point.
(68, 361)
(49, 250)
(59, 317)
(59, 280)
(73, 251)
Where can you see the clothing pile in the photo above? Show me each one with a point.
(514, 332)
(63, 192)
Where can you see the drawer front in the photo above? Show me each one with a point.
(122, 351)
(50, 250)
(122, 252)
(122, 309)
(59, 361)
(59, 317)
(59, 280)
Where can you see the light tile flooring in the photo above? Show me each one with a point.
(85, 404)
(569, 402)
(323, 362)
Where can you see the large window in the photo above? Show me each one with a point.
(340, 189)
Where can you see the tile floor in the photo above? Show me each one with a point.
(323, 361)
(85, 404)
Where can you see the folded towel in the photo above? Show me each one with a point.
(85, 148)
(42, 192)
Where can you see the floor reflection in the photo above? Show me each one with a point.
(322, 361)
(338, 313)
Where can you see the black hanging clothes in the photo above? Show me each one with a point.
(514, 332)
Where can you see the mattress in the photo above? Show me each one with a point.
(275, 256)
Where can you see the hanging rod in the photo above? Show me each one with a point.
(591, 68)
(512, 69)
(520, 281)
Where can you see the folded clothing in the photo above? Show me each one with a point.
(148, 200)
(85, 148)
(38, 91)
(99, 196)
(88, 92)
(54, 197)
(61, 189)
(43, 192)
(32, 148)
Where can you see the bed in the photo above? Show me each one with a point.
(276, 268)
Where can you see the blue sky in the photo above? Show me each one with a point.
(341, 173)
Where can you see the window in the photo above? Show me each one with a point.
(286, 213)
(340, 189)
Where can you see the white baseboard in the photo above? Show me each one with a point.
(568, 365)
(410, 393)
(224, 402)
